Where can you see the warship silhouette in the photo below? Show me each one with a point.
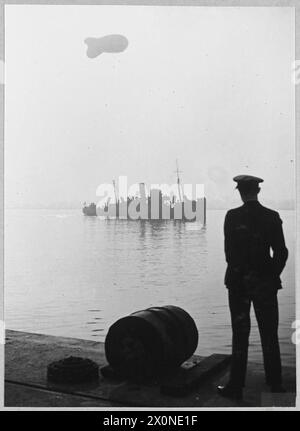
(154, 206)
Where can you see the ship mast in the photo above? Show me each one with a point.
(115, 190)
(178, 181)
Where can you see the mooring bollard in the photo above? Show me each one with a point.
(148, 342)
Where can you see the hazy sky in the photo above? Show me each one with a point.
(209, 86)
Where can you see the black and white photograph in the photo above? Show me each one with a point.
(149, 207)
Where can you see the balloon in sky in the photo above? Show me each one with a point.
(112, 43)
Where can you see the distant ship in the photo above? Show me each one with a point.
(165, 207)
(89, 210)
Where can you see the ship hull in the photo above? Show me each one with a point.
(88, 211)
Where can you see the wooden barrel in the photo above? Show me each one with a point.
(146, 343)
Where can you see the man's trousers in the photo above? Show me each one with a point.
(266, 311)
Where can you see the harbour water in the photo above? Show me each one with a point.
(71, 275)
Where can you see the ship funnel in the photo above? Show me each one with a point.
(142, 190)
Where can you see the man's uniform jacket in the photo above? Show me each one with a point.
(254, 244)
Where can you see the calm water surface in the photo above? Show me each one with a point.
(70, 275)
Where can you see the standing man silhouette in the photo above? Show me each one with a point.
(253, 276)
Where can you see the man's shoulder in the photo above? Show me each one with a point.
(234, 211)
(272, 214)
(264, 211)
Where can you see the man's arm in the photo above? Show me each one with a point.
(229, 253)
(280, 252)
